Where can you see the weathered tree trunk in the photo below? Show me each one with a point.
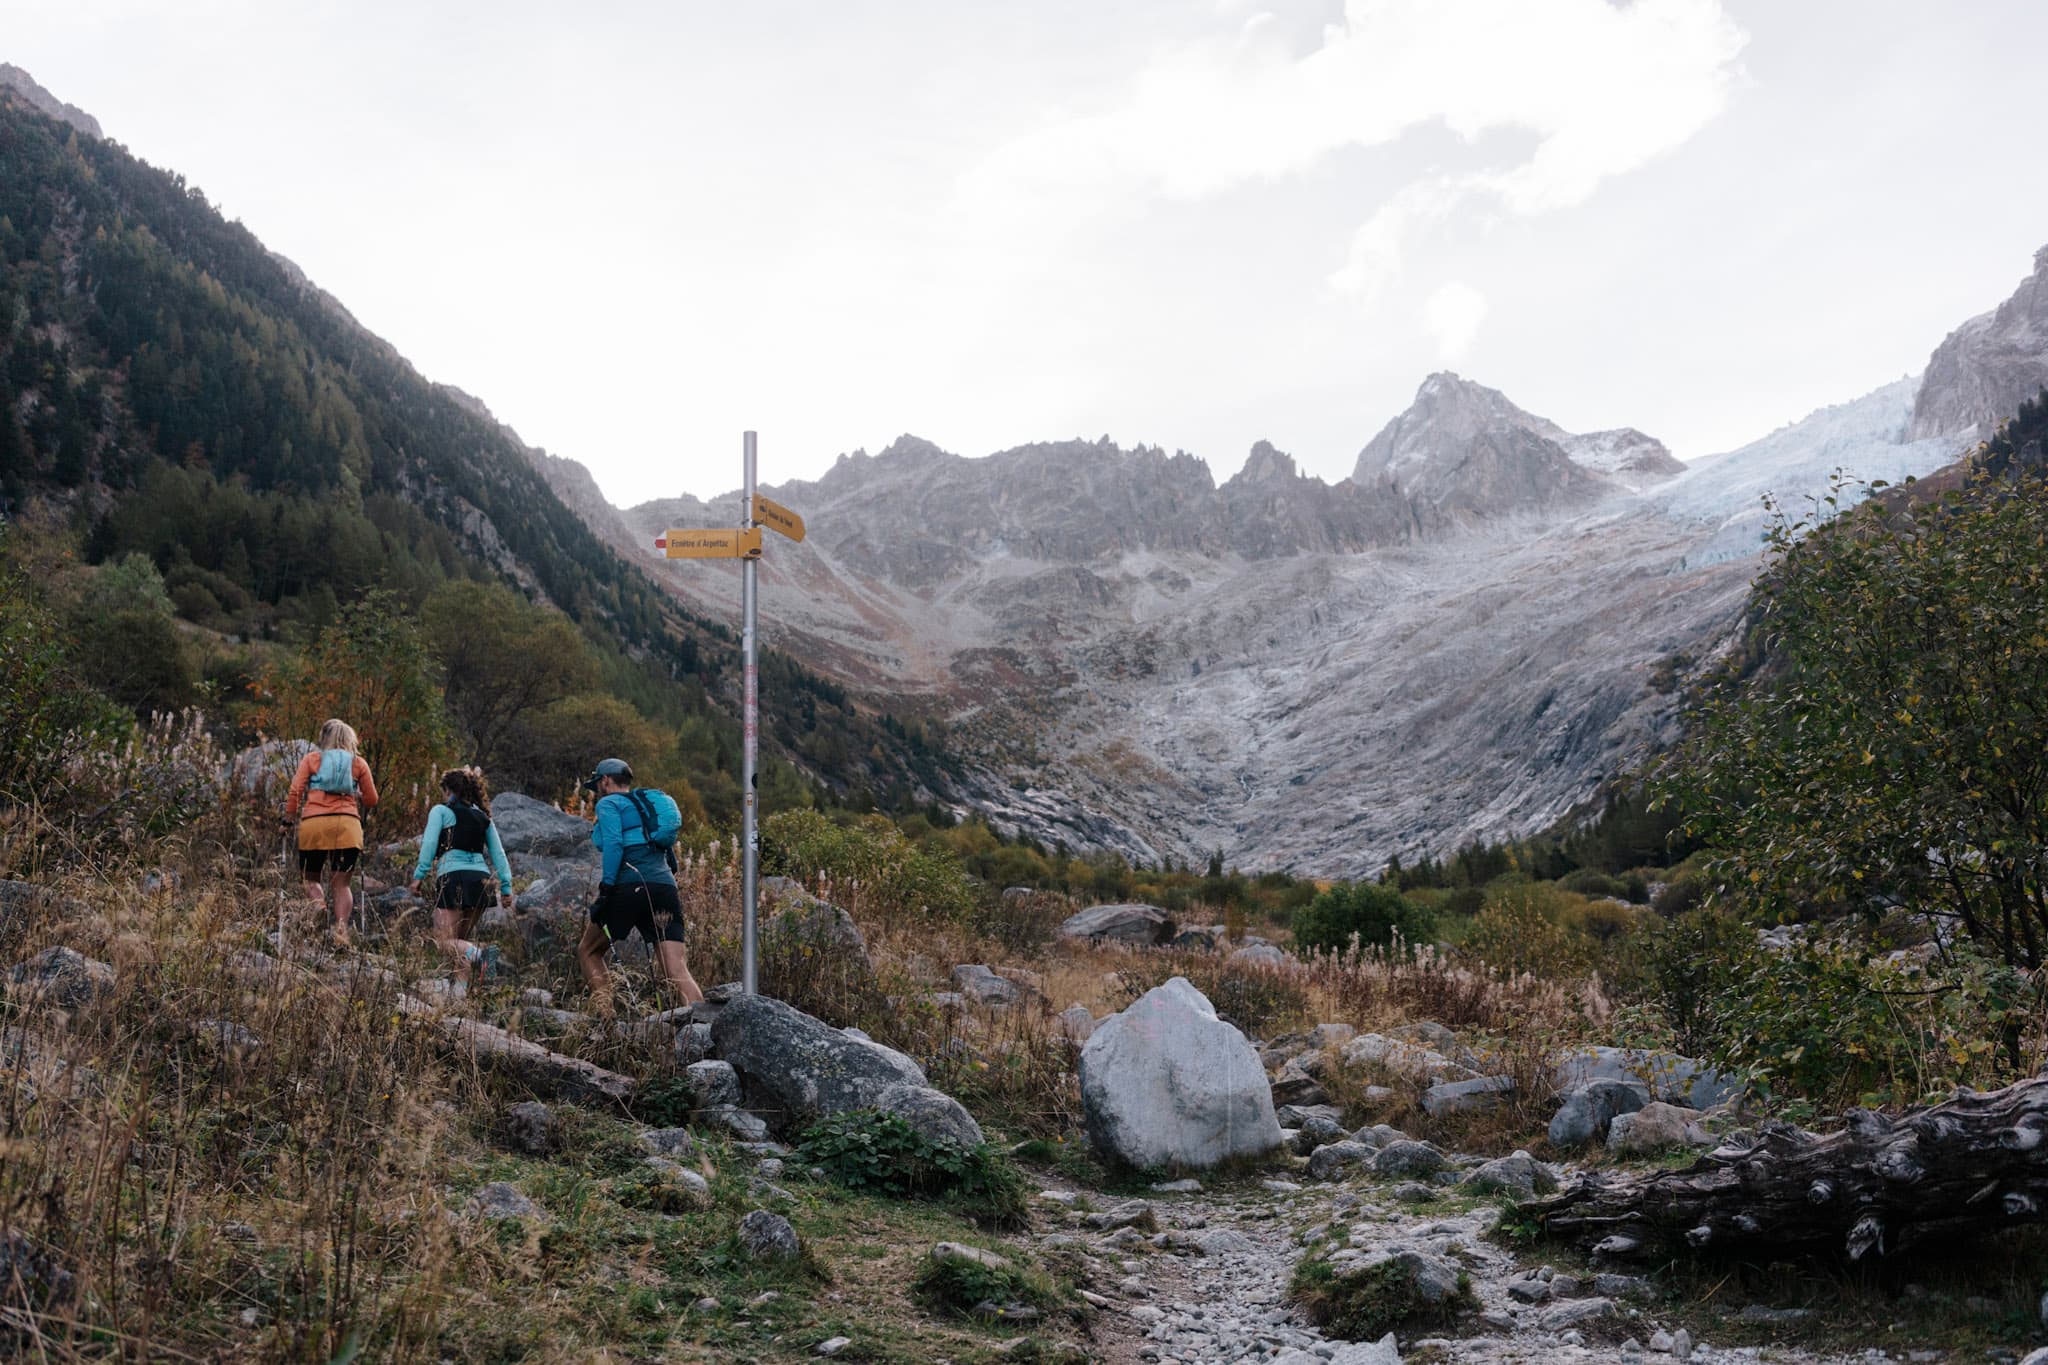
(1877, 1188)
(547, 1073)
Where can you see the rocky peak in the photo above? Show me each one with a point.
(1268, 465)
(1625, 455)
(1982, 372)
(42, 101)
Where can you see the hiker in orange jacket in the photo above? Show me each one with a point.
(329, 794)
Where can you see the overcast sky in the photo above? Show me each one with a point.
(635, 230)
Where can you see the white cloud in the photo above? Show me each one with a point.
(1603, 88)
(1452, 316)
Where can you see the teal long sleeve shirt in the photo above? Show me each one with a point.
(454, 859)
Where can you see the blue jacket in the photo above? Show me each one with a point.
(629, 854)
(453, 859)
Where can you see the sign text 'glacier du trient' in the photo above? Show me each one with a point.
(743, 544)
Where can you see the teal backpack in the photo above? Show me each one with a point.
(337, 773)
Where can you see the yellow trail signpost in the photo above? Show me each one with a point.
(743, 544)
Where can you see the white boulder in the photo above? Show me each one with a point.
(1167, 1083)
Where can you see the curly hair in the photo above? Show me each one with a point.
(467, 785)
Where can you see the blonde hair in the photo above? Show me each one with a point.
(338, 734)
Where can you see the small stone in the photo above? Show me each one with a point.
(712, 1083)
(532, 1127)
(1573, 1313)
(1528, 1291)
(959, 1253)
(1281, 1186)
(1188, 1186)
(768, 1236)
(762, 1300)
(1681, 1345)
(831, 1346)
(741, 1124)
(670, 1142)
(538, 998)
(1660, 1342)
(707, 1304)
(502, 1200)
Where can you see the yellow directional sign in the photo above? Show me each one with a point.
(710, 544)
(776, 517)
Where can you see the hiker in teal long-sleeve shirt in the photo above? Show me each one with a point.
(634, 832)
(459, 835)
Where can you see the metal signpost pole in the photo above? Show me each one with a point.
(750, 728)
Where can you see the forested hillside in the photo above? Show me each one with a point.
(172, 390)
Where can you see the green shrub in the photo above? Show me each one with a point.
(962, 1286)
(1524, 928)
(877, 1153)
(870, 865)
(1365, 1305)
(1588, 881)
(1361, 915)
(1680, 896)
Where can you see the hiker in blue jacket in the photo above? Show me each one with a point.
(635, 834)
(459, 835)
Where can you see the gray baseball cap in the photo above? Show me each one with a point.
(615, 768)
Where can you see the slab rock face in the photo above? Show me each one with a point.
(529, 826)
(1167, 1083)
(1145, 925)
(795, 1068)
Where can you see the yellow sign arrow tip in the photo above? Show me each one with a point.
(777, 518)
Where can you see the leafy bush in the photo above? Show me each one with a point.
(1361, 915)
(869, 864)
(1524, 927)
(44, 709)
(1587, 881)
(877, 1153)
(961, 1286)
(1680, 896)
(1366, 1304)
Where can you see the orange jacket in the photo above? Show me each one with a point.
(318, 802)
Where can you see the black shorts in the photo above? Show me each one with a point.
(464, 891)
(642, 906)
(340, 861)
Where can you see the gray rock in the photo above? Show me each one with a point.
(528, 826)
(795, 1068)
(1201, 940)
(534, 995)
(931, 1112)
(983, 987)
(959, 1253)
(1297, 1086)
(1316, 1131)
(265, 772)
(532, 1128)
(1574, 1313)
(1414, 1192)
(1382, 1352)
(1223, 1242)
(60, 977)
(501, 1199)
(1403, 1059)
(831, 1346)
(1328, 1162)
(226, 1038)
(712, 1083)
(1681, 1345)
(1137, 924)
(1409, 1159)
(1077, 1023)
(672, 1142)
(32, 1277)
(1167, 1083)
(693, 1044)
(1187, 1186)
(1465, 1097)
(766, 1236)
(732, 1119)
(1259, 955)
(1327, 1036)
(694, 1186)
(1529, 1291)
(1656, 1127)
(1520, 1175)
(1589, 1109)
(1295, 1115)
(1667, 1075)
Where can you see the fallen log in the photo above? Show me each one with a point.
(546, 1073)
(1877, 1188)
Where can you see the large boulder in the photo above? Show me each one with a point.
(796, 1069)
(1466, 1097)
(1146, 925)
(977, 983)
(1680, 1080)
(1589, 1109)
(1657, 1126)
(529, 826)
(1167, 1083)
(60, 977)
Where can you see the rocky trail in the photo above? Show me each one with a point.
(1210, 1285)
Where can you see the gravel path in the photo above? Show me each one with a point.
(1210, 1285)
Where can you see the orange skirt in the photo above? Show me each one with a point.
(330, 832)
